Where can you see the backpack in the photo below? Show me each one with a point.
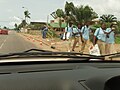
(78, 32)
(83, 30)
(97, 35)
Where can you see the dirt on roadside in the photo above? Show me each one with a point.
(57, 44)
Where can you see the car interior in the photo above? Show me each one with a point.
(59, 76)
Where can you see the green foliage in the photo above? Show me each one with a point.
(26, 14)
(83, 14)
(117, 40)
(108, 18)
(79, 14)
(69, 8)
(60, 13)
(51, 34)
(118, 27)
(23, 24)
(36, 26)
(95, 26)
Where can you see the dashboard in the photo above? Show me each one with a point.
(60, 76)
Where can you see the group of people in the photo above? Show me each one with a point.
(103, 36)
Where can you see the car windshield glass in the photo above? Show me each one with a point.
(86, 27)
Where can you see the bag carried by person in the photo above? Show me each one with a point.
(94, 50)
(64, 36)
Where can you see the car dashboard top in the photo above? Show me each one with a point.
(60, 76)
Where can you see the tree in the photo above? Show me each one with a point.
(53, 14)
(108, 18)
(22, 24)
(75, 14)
(4, 27)
(27, 14)
(24, 21)
(83, 14)
(79, 14)
(60, 14)
(88, 13)
(69, 7)
(16, 26)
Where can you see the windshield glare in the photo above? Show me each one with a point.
(85, 27)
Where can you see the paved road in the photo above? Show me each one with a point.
(13, 43)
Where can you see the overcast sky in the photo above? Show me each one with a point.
(11, 11)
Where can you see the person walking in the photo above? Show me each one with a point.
(44, 31)
(100, 38)
(85, 32)
(77, 34)
(110, 40)
(68, 35)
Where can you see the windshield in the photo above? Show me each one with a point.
(85, 27)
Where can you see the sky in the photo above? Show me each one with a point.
(11, 11)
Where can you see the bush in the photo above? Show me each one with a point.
(51, 34)
(94, 27)
(117, 39)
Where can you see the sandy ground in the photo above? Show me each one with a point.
(58, 45)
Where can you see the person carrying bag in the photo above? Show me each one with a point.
(110, 40)
(76, 35)
(100, 38)
(68, 35)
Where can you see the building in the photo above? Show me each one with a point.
(37, 25)
(96, 21)
(41, 23)
(56, 26)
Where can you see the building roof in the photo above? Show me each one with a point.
(37, 22)
(96, 20)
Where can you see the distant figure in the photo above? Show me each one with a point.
(61, 36)
(44, 31)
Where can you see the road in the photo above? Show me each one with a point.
(14, 43)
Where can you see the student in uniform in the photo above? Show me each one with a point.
(68, 35)
(85, 32)
(77, 35)
(110, 39)
(100, 38)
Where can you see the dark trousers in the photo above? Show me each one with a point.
(44, 34)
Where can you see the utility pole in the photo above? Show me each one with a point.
(47, 19)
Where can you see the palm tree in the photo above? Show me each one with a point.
(27, 14)
(76, 14)
(22, 24)
(53, 14)
(82, 14)
(108, 18)
(69, 7)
